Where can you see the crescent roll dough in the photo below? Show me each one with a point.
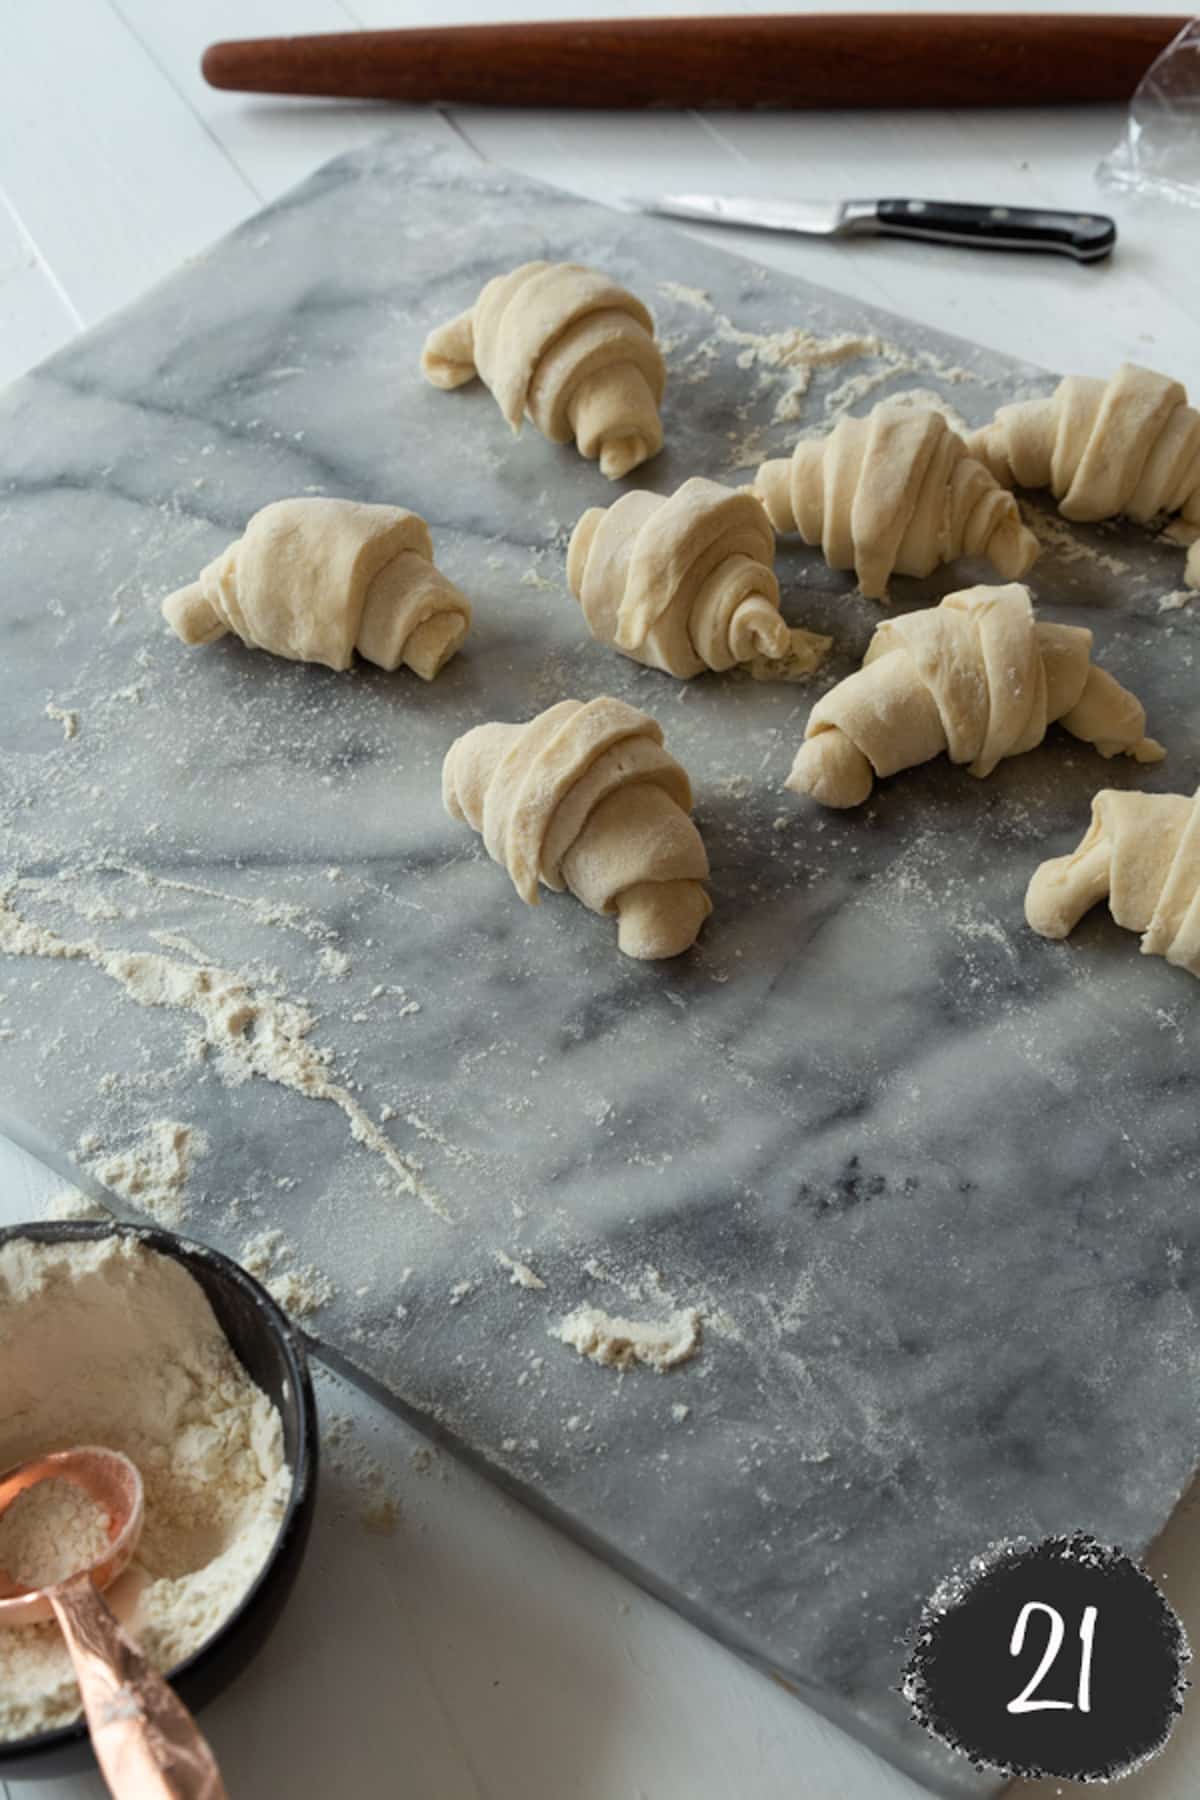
(1129, 446)
(315, 580)
(585, 797)
(570, 348)
(894, 493)
(976, 677)
(1143, 852)
(682, 584)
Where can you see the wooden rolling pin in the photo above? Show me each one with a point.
(807, 60)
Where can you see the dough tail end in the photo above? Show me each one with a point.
(448, 358)
(831, 770)
(659, 919)
(1114, 720)
(192, 616)
(758, 629)
(1066, 887)
(614, 415)
(432, 644)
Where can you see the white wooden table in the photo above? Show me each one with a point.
(473, 1651)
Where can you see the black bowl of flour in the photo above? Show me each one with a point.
(272, 1353)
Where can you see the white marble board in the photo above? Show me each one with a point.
(927, 1178)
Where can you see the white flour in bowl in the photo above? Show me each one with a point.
(110, 1343)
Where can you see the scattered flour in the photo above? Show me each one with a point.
(894, 360)
(799, 351)
(1172, 602)
(301, 1290)
(109, 1342)
(68, 720)
(748, 449)
(282, 913)
(71, 1203)
(379, 1513)
(260, 1252)
(794, 354)
(686, 296)
(170, 940)
(251, 1032)
(808, 651)
(1055, 534)
(152, 1172)
(378, 1501)
(622, 1343)
(519, 1273)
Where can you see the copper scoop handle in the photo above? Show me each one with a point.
(146, 1742)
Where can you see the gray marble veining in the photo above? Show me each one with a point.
(930, 1180)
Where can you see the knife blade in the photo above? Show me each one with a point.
(1088, 237)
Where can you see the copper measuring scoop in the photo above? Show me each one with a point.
(146, 1742)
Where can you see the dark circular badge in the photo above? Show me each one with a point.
(1060, 1658)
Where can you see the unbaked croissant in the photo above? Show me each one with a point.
(681, 584)
(1143, 852)
(569, 347)
(1126, 447)
(317, 579)
(585, 797)
(894, 493)
(977, 677)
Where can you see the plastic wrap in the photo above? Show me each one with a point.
(1158, 155)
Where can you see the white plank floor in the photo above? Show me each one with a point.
(475, 1652)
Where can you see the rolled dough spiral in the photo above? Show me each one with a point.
(570, 348)
(317, 579)
(1126, 447)
(976, 677)
(895, 493)
(1142, 851)
(682, 584)
(585, 797)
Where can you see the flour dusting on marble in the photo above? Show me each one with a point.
(786, 360)
(617, 1343)
(300, 1288)
(806, 652)
(301, 1291)
(66, 718)
(1055, 535)
(152, 1172)
(247, 1030)
(284, 915)
(69, 1203)
(378, 1499)
(519, 1273)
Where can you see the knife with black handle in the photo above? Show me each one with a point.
(1088, 237)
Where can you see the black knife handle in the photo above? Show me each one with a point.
(1085, 236)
